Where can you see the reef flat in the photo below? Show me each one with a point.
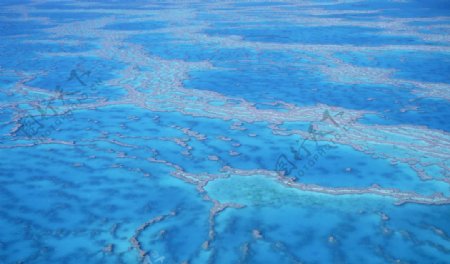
(225, 131)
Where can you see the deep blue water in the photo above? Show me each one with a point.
(224, 132)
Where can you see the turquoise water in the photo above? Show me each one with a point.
(224, 132)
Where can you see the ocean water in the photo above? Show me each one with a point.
(225, 131)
